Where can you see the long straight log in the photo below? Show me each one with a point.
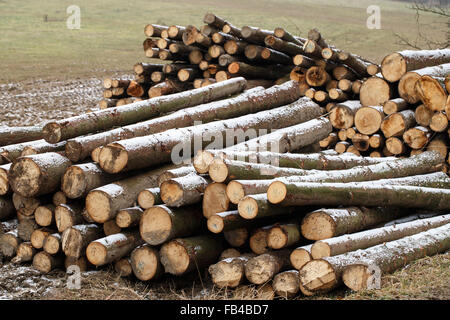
(160, 223)
(369, 238)
(394, 255)
(142, 151)
(283, 46)
(396, 64)
(13, 135)
(256, 72)
(112, 248)
(138, 111)
(105, 202)
(38, 174)
(252, 101)
(184, 255)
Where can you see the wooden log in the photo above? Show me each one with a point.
(184, 255)
(105, 202)
(123, 267)
(263, 268)
(119, 156)
(376, 141)
(286, 284)
(397, 124)
(394, 106)
(300, 256)
(80, 148)
(215, 199)
(105, 119)
(375, 91)
(110, 227)
(342, 72)
(9, 243)
(236, 237)
(283, 46)
(431, 93)
(6, 209)
(439, 143)
(356, 276)
(343, 114)
(286, 36)
(67, 216)
(52, 243)
(368, 120)
(356, 63)
(395, 146)
(14, 135)
(25, 253)
(251, 71)
(361, 142)
(154, 30)
(145, 263)
(230, 272)
(417, 137)
(4, 182)
(338, 95)
(59, 198)
(37, 174)
(174, 173)
(38, 237)
(439, 122)
(45, 262)
(112, 248)
(160, 223)
(184, 190)
(365, 239)
(233, 47)
(406, 85)
(149, 197)
(283, 235)
(80, 262)
(345, 85)
(75, 240)
(396, 64)
(129, 217)
(317, 76)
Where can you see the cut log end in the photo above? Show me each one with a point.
(277, 192)
(318, 226)
(73, 182)
(320, 249)
(145, 263)
(277, 238)
(215, 224)
(155, 225)
(228, 273)
(52, 244)
(25, 177)
(215, 199)
(218, 170)
(248, 208)
(286, 284)
(317, 276)
(113, 159)
(98, 205)
(202, 161)
(299, 257)
(235, 191)
(44, 216)
(393, 67)
(174, 258)
(96, 253)
(52, 132)
(357, 277)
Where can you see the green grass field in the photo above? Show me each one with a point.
(111, 31)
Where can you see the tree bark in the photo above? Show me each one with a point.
(13, 135)
(236, 237)
(38, 174)
(160, 224)
(110, 227)
(256, 72)
(184, 255)
(112, 248)
(396, 64)
(108, 118)
(75, 240)
(286, 47)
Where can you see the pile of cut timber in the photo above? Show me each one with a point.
(143, 186)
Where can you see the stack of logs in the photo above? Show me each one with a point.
(145, 187)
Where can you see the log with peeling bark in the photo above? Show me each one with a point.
(25, 253)
(365, 239)
(38, 174)
(129, 217)
(184, 190)
(145, 263)
(183, 255)
(263, 268)
(230, 272)
(75, 240)
(286, 284)
(396, 64)
(394, 255)
(160, 223)
(251, 101)
(105, 202)
(52, 243)
(13, 135)
(139, 111)
(431, 93)
(142, 151)
(112, 248)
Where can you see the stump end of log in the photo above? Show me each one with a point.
(155, 225)
(277, 192)
(299, 257)
(73, 182)
(52, 132)
(317, 276)
(113, 158)
(174, 258)
(98, 205)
